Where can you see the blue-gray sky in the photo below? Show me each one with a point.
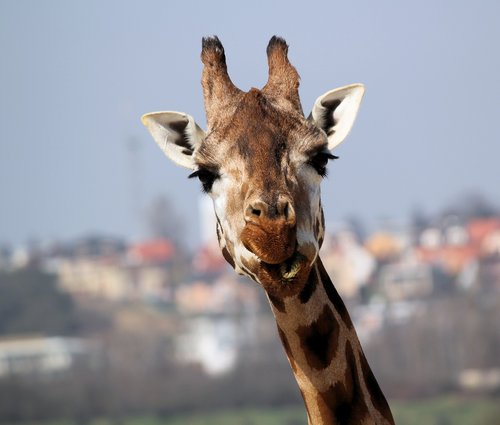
(76, 76)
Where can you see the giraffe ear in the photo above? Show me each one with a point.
(176, 134)
(336, 110)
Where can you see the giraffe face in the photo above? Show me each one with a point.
(262, 162)
(263, 169)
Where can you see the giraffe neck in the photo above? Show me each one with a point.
(335, 380)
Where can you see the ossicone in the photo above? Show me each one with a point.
(219, 92)
(283, 80)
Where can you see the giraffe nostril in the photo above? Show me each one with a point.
(254, 212)
(258, 210)
(287, 211)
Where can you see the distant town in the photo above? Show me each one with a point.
(405, 287)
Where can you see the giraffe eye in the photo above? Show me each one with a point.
(206, 178)
(319, 162)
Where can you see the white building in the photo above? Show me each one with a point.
(211, 342)
(43, 355)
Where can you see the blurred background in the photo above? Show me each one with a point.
(115, 304)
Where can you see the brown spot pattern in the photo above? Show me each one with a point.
(309, 287)
(377, 396)
(248, 266)
(288, 350)
(333, 295)
(277, 303)
(319, 341)
(218, 231)
(227, 257)
(343, 401)
(321, 233)
(317, 227)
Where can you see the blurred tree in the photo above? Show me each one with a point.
(163, 221)
(471, 205)
(30, 302)
(425, 355)
(357, 226)
(419, 221)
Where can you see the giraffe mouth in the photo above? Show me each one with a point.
(288, 270)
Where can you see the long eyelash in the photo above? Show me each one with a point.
(206, 178)
(319, 162)
(330, 155)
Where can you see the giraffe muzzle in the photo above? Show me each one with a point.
(273, 241)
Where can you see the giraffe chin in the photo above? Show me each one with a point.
(287, 278)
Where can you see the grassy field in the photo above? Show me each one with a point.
(441, 411)
(448, 411)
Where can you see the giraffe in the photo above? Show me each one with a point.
(262, 161)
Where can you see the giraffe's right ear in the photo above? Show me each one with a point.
(176, 134)
(335, 112)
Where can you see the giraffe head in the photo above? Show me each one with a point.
(261, 161)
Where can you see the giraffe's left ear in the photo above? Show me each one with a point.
(176, 134)
(336, 110)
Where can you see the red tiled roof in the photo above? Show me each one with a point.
(452, 258)
(480, 228)
(209, 259)
(158, 250)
